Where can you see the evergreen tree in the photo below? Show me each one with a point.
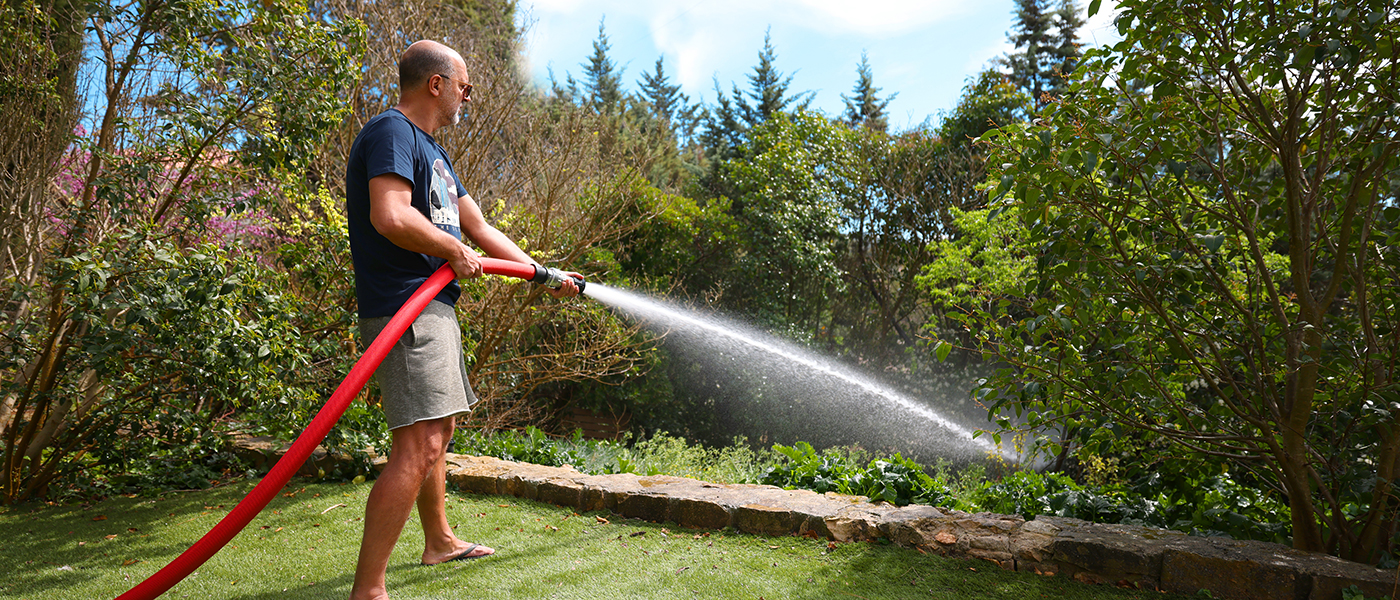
(767, 88)
(1068, 20)
(602, 79)
(1032, 36)
(567, 91)
(666, 99)
(865, 107)
(1045, 37)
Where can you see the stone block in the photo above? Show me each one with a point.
(600, 491)
(643, 505)
(476, 474)
(1330, 575)
(1111, 552)
(857, 522)
(561, 491)
(1031, 544)
(912, 525)
(767, 519)
(700, 513)
(1227, 575)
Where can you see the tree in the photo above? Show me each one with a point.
(988, 102)
(1214, 215)
(134, 266)
(665, 98)
(602, 80)
(1046, 47)
(768, 89)
(864, 107)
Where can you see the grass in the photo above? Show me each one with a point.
(304, 546)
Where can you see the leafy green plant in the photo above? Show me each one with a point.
(896, 480)
(1354, 593)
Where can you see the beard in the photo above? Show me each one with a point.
(451, 112)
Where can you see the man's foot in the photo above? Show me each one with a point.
(465, 551)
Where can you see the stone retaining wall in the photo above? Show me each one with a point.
(1123, 555)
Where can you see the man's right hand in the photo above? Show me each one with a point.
(466, 264)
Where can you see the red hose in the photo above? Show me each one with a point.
(301, 449)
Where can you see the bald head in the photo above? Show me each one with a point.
(423, 59)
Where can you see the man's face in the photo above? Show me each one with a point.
(455, 90)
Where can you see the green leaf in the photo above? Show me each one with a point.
(1094, 7)
(942, 351)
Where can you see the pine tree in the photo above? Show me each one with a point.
(602, 79)
(864, 107)
(1034, 40)
(1047, 50)
(666, 99)
(767, 88)
(1068, 20)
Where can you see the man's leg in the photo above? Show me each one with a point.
(416, 449)
(439, 542)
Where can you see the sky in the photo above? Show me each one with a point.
(922, 50)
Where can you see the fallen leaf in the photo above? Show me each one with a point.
(637, 534)
(100, 518)
(503, 505)
(551, 528)
(111, 536)
(602, 520)
(130, 562)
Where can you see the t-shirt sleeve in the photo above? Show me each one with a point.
(389, 149)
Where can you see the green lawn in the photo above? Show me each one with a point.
(302, 547)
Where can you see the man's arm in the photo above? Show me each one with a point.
(392, 214)
(496, 244)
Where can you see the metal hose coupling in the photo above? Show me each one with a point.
(554, 278)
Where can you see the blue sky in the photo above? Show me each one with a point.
(923, 50)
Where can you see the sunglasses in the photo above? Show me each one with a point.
(462, 87)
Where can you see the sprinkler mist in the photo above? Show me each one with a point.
(813, 394)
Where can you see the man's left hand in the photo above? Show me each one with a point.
(567, 289)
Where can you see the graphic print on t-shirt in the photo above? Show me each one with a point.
(442, 200)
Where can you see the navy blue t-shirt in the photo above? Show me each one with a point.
(385, 274)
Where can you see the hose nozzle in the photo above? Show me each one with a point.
(554, 278)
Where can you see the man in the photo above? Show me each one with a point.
(406, 218)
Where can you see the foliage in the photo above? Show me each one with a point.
(1213, 214)
(896, 480)
(1047, 47)
(865, 108)
(988, 101)
(152, 239)
(657, 455)
(602, 82)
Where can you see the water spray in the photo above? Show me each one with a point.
(282, 472)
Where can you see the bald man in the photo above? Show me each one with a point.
(407, 216)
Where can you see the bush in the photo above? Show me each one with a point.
(661, 454)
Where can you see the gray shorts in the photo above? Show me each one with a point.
(424, 376)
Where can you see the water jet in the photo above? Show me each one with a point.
(793, 393)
